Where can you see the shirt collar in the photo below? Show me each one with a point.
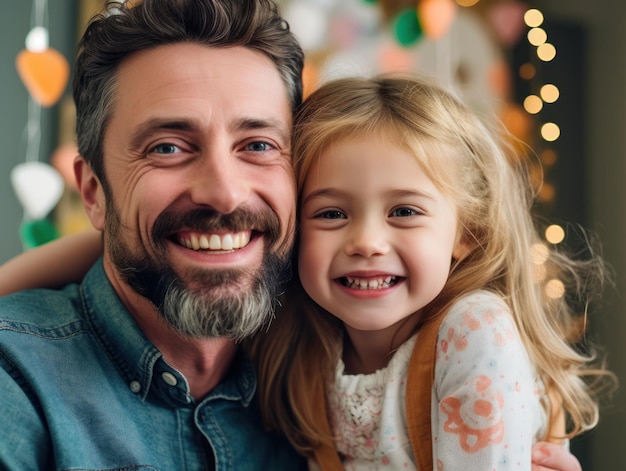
(139, 361)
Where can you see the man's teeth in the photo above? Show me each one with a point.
(215, 241)
(370, 283)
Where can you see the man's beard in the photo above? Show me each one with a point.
(216, 305)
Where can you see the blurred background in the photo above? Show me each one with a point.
(553, 71)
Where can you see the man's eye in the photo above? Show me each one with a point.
(404, 212)
(258, 146)
(332, 214)
(165, 149)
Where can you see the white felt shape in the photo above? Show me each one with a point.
(309, 23)
(38, 186)
(37, 39)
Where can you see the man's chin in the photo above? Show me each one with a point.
(218, 282)
(218, 312)
(216, 291)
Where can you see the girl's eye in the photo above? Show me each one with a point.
(166, 148)
(404, 212)
(258, 146)
(332, 214)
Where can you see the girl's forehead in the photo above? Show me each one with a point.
(442, 163)
(439, 161)
(421, 150)
(361, 156)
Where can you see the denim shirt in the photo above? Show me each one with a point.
(81, 388)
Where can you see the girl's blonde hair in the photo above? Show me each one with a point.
(492, 190)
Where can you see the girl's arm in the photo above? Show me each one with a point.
(486, 404)
(52, 265)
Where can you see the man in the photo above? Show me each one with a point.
(183, 123)
(183, 118)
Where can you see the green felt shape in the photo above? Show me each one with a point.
(37, 232)
(406, 27)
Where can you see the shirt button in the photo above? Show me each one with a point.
(169, 378)
(135, 386)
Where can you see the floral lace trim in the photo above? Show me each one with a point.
(356, 404)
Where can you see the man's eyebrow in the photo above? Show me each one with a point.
(269, 124)
(153, 125)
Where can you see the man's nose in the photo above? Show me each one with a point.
(367, 239)
(220, 181)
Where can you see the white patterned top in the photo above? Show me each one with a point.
(486, 411)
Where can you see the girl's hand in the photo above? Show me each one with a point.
(552, 457)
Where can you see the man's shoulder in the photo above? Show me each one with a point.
(66, 304)
(40, 308)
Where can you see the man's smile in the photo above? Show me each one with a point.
(212, 241)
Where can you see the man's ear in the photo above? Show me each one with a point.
(91, 192)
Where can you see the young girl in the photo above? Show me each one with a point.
(416, 245)
(428, 323)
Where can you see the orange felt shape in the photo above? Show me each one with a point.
(436, 16)
(44, 74)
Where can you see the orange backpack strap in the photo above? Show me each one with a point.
(556, 425)
(327, 458)
(419, 386)
(325, 454)
(418, 400)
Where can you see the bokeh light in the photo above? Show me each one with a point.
(549, 93)
(555, 234)
(550, 132)
(533, 18)
(554, 289)
(533, 104)
(537, 36)
(546, 52)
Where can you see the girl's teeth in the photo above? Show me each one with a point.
(369, 284)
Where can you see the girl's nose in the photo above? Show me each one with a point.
(367, 240)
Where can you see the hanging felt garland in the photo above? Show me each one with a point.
(37, 185)
(43, 70)
(429, 18)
